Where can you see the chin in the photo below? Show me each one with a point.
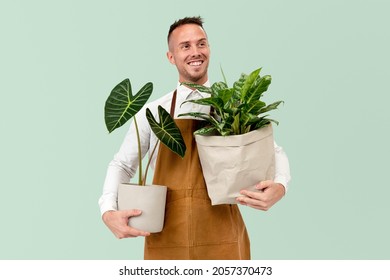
(198, 76)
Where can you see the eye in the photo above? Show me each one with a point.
(185, 46)
(202, 44)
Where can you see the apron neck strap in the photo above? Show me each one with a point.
(173, 103)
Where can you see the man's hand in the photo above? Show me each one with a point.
(267, 195)
(117, 222)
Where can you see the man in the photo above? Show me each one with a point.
(193, 228)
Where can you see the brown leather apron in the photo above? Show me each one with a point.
(193, 229)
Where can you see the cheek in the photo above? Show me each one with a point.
(181, 60)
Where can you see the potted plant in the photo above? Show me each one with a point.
(120, 107)
(236, 146)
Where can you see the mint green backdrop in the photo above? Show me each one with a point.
(330, 64)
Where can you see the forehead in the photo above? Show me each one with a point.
(187, 33)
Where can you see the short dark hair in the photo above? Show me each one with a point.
(187, 20)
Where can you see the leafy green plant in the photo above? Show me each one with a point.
(121, 106)
(235, 110)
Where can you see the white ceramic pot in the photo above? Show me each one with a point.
(149, 199)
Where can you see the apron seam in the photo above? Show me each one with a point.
(195, 245)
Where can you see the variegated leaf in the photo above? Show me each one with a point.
(256, 93)
(167, 131)
(248, 83)
(201, 88)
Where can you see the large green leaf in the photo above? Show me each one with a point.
(207, 117)
(249, 81)
(254, 107)
(259, 89)
(167, 131)
(263, 122)
(201, 88)
(226, 95)
(196, 115)
(121, 105)
(223, 127)
(217, 87)
(216, 102)
(237, 86)
(270, 107)
(208, 130)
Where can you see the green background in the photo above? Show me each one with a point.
(329, 62)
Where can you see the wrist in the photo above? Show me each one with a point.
(106, 214)
(282, 188)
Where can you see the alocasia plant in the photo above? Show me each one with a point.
(121, 106)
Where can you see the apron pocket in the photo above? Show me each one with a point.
(215, 224)
(175, 232)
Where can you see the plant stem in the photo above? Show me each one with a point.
(149, 161)
(139, 153)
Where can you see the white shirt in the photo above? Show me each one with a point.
(125, 163)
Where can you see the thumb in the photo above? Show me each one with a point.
(264, 184)
(132, 212)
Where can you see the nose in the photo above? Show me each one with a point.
(195, 51)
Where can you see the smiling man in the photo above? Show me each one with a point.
(193, 228)
(189, 51)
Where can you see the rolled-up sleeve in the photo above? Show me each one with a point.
(282, 167)
(125, 163)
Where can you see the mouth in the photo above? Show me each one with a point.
(195, 63)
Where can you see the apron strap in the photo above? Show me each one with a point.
(173, 103)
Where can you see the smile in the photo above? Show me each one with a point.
(195, 63)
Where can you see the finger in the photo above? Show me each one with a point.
(258, 207)
(264, 184)
(240, 200)
(132, 212)
(252, 194)
(129, 232)
(135, 232)
(132, 234)
(252, 206)
(255, 203)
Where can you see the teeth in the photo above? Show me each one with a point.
(195, 63)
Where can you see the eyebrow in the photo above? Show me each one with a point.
(187, 42)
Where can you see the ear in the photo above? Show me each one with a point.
(171, 58)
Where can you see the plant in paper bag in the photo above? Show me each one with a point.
(237, 127)
(235, 110)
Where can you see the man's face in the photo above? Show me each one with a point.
(189, 51)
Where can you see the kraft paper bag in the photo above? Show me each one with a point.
(233, 163)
